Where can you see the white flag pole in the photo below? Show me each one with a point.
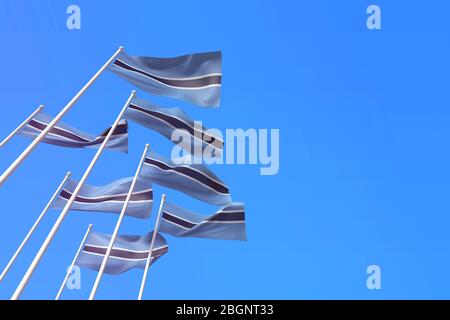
(50, 126)
(69, 203)
(118, 223)
(69, 270)
(23, 124)
(33, 228)
(152, 243)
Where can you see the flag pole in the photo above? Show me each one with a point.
(150, 252)
(33, 228)
(52, 124)
(69, 203)
(118, 223)
(23, 124)
(69, 270)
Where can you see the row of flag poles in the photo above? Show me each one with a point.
(194, 78)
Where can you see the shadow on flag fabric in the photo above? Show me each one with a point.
(192, 179)
(228, 223)
(67, 136)
(194, 78)
(128, 252)
(109, 198)
(166, 120)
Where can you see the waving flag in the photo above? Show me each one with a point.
(192, 179)
(67, 136)
(167, 120)
(109, 198)
(227, 224)
(128, 252)
(195, 78)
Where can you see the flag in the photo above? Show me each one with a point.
(109, 198)
(67, 136)
(192, 179)
(128, 252)
(194, 78)
(166, 120)
(227, 224)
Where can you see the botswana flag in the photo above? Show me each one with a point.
(128, 252)
(67, 136)
(109, 198)
(192, 179)
(167, 120)
(227, 224)
(195, 78)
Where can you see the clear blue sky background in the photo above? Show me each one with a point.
(364, 163)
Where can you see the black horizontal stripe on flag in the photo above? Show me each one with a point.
(221, 217)
(174, 219)
(125, 254)
(180, 125)
(122, 128)
(180, 83)
(39, 126)
(200, 177)
(228, 216)
(147, 195)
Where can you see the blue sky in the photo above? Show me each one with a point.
(363, 118)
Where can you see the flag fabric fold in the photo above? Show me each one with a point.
(128, 252)
(194, 78)
(228, 223)
(166, 120)
(66, 136)
(109, 198)
(192, 179)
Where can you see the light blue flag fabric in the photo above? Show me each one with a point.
(128, 252)
(167, 120)
(228, 223)
(109, 198)
(194, 78)
(192, 179)
(67, 136)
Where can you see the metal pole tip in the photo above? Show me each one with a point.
(68, 174)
